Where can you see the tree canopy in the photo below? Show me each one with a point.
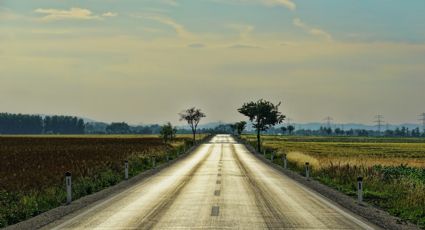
(168, 132)
(192, 116)
(263, 115)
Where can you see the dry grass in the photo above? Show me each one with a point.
(393, 168)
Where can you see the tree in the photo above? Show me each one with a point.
(168, 132)
(291, 129)
(263, 115)
(240, 127)
(339, 131)
(284, 129)
(118, 128)
(192, 116)
(416, 132)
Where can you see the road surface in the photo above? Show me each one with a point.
(219, 186)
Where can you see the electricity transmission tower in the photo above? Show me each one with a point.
(423, 121)
(379, 121)
(328, 120)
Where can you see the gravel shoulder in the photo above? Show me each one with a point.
(50, 216)
(363, 210)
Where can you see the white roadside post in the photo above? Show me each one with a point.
(153, 162)
(126, 170)
(68, 183)
(264, 152)
(168, 157)
(285, 161)
(307, 170)
(272, 157)
(360, 188)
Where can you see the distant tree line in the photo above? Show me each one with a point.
(20, 124)
(327, 131)
(121, 128)
(36, 124)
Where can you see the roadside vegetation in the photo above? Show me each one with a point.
(32, 167)
(393, 168)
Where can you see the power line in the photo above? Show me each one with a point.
(379, 121)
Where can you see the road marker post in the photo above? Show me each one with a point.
(264, 152)
(360, 188)
(285, 161)
(307, 170)
(68, 183)
(153, 162)
(272, 157)
(126, 170)
(168, 157)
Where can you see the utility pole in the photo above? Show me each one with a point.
(328, 120)
(423, 121)
(379, 121)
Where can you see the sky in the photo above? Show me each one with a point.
(143, 61)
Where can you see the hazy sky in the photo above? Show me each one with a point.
(146, 60)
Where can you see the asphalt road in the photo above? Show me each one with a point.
(219, 186)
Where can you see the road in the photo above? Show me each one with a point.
(219, 186)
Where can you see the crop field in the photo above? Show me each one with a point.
(32, 167)
(393, 168)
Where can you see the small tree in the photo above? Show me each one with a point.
(263, 114)
(168, 132)
(192, 116)
(284, 129)
(291, 129)
(240, 127)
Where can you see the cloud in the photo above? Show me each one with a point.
(244, 30)
(110, 14)
(313, 31)
(286, 3)
(73, 13)
(180, 29)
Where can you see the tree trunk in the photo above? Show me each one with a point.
(258, 141)
(194, 136)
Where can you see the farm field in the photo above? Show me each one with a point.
(393, 168)
(32, 167)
